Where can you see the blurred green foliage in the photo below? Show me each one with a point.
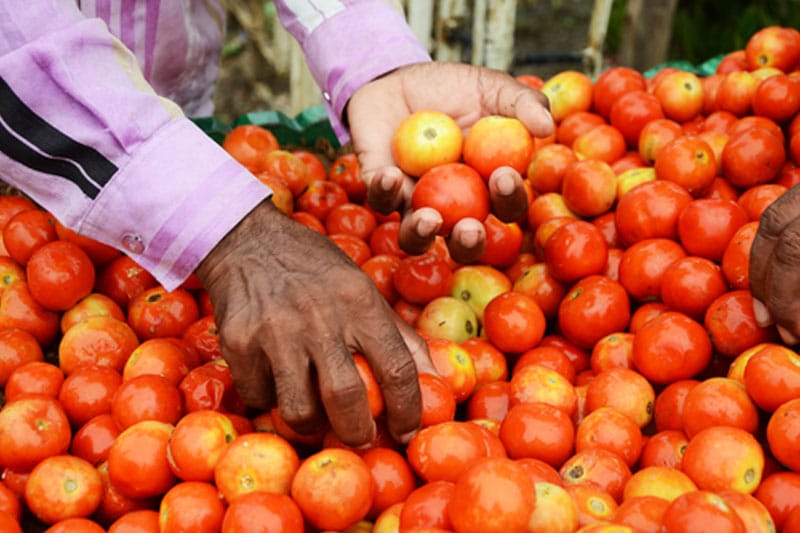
(706, 28)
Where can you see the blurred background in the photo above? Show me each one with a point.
(262, 67)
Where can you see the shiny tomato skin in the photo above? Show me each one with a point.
(595, 307)
(421, 278)
(455, 190)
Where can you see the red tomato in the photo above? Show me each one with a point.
(88, 392)
(575, 250)
(495, 141)
(595, 307)
(274, 512)
(731, 323)
(445, 450)
(156, 312)
(191, 506)
(752, 156)
(589, 187)
(61, 487)
(650, 210)
(706, 226)
(493, 495)
(352, 219)
(17, 347)
(549, 163)
(27, 231)
(122, 279)
(613, 83)
(688, 161)
(421, 278)
(345, 171)
(146, 397)
(320, 197)
(93, 440)
(631, 111)
(671, 347)
(690, 284)
(643, 264)
(35, 378)
(248, 144)
(455, 190)
(333, 488)
(513, 322)
(31, 429)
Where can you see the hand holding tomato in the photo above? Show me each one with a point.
(465, 93)
(291, 309)
(774, 273)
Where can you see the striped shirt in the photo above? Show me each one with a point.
(94, 97)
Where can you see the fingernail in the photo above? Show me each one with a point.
(387, 182)
(505, 184)
(761, 313)
(469, 238)
(546, 115)
(787, 336)
(406, 437)
(426, 227)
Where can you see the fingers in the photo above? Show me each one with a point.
(773, 221)
(395, 368)
(418, 230)
(467, 240)
(510, 98)
(343, 394)
(416, 345)
(507, 193)
(388, 189)
(251, 374)
(781, 275)
(295, 389)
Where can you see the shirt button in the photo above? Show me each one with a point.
(327, 96)
(133, 243)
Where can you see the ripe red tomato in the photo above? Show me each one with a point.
(426, 508)
(93, 440)
(455, 190)
(210, 386)
(493, 495)
(345, 172)
(421, 278)
(731, 323)
(146, 397)
(631, 111)
(589, 187)
(275, 512)
(575, 250)
(691, 284)
(248, 144)
(438, 400)
(26, 231)
(602, 143)
(122, 279)
(333, 488)
(31, 429)
(650, 210)
(671, 347)
(61, 487)
(539, 431)
(88, 392)
(513, 322)
(613, 83)
(688, 161)
(191, 506)
(546, 170)
(156, 312)
(642, 266)
(495, 141)
(655, 135)
(320, 197)
(19, 309)
(752, 156)
(706, 226)
(35, 378)
(595, 307)
(17, 348)
(503, 242)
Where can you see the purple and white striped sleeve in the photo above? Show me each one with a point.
(86, 136)
(348, 43)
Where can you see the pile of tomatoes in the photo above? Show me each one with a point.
(600, 368)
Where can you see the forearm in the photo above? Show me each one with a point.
(85, 135)
(349, 44)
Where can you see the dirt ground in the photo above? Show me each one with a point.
(549, 37)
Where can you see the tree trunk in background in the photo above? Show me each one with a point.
(646, 33)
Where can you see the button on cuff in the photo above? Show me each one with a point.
(132, 242)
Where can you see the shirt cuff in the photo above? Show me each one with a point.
(176, 198)
(354, 47)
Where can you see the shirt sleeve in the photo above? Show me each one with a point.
(349, 43)
(86, 137)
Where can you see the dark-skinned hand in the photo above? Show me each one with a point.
(775, 267)
(464, 92)
(291, 308)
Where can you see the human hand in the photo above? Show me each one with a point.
(775, 267)
(291, 308)
(465, 93)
